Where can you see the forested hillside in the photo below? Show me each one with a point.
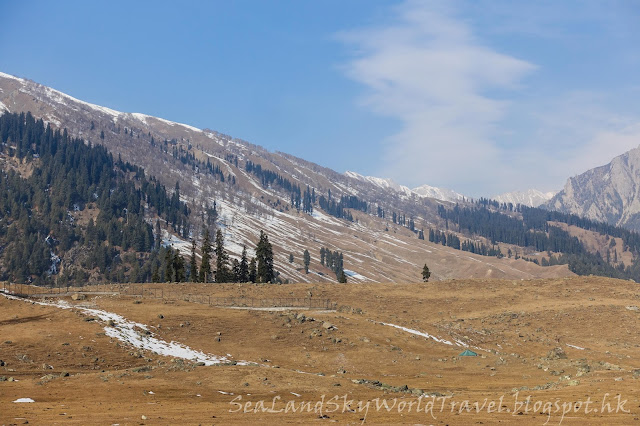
(69, 210)
(534, 228)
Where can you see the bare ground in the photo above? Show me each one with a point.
(512, 325)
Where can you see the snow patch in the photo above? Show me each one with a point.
(136, 335)
(22, 400)
(183, 246)
(418, 333)
(575, 347)
(143, 118)
(12, 77)
(352, 274)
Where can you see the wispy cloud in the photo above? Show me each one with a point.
(469, 118)
(430, 72)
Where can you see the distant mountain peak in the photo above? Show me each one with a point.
(609, 193)
(384, 183)
(530, 197)
(441, 194)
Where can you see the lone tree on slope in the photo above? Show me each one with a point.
(425, 273)
(307, 261)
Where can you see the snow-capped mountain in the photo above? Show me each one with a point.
(442, 194)
(210, 166)
(384, 183)
(530, 197)
(426, 191)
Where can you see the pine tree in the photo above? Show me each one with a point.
(243, 275)
(252, 270)
(342, 278)
(193, 266)
(264, 258)
(307, 261)
(205, 265)
(178, 267)
(168, 265)
(322, 253)
(222, 260)
(158, 234)
(425, 273)
(155, 276)
(290, 257)
(235, 271)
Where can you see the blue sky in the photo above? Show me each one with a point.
(478, 96)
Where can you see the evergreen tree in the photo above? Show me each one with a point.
(168, 265)
(243, 272)
(178, 267)
(425, 273)
(235, 271)
(205, 265)
(264, 258)
(222, 273)
(342, 278)
(307, 261)
(253, 273)
(193, 266)
(290, 257)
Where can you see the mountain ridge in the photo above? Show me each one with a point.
(301, 205)
(608, 193)
(530, 197)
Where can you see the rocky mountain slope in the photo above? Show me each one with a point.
(530, 197)
(609, 193)
(254, 189)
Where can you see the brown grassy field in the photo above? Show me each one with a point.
(303, 371)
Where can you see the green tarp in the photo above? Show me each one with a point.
(467, 352)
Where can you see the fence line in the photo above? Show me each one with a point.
(151, 291)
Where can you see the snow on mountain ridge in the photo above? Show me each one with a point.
(384, 183)
(530, 197)
(59, 97)
(441, 194)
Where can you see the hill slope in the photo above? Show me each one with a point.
(299, 204)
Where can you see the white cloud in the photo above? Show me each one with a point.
(466, 121)
(428, 71)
